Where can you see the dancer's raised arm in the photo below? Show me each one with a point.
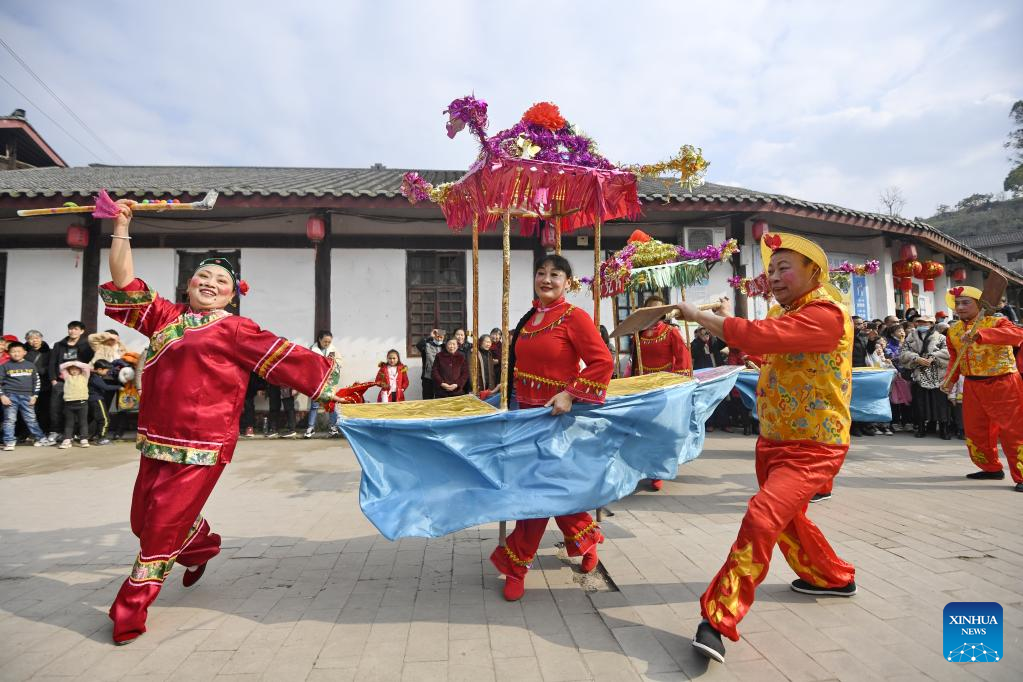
(122, 270)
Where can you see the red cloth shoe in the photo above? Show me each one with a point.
(656, 483)
(590, 560)
(514, 588)
(192, 577)
(127, 638)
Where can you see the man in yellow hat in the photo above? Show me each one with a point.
(803, 403)
(992, 390)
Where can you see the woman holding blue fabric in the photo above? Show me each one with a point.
(547, 347)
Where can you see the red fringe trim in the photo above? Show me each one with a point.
(534, 185)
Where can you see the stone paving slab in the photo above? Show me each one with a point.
(305, 588)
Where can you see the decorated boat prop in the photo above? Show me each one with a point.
(430, 468)
(647, 264)
(433, 467)
(870, 389)
(541, 168)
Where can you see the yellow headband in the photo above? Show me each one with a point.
(775, 241)
(956, 292)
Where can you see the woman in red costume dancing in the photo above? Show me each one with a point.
(546, 349)
(662, 349)
(198, 366)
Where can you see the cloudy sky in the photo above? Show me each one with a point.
(821, 100)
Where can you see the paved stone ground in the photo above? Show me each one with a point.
(306, 589)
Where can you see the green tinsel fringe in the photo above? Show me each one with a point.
(673, 275)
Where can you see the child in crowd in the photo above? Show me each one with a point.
(100, 390)
(76, 402)
(392, 378)
(19, 390)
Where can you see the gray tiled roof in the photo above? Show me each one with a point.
(979, 241)
(331, 182)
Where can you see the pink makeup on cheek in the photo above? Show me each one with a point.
(194, 282)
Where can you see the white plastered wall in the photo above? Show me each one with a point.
(43, 291)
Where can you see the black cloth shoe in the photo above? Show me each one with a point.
(869, 430)
(986, 475)
(820, 497)
(921, 431)
(708, 642)
(855, 430)
(944, 431)
(1019, 487)
(806, 588)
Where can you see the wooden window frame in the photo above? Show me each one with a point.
(413, 331)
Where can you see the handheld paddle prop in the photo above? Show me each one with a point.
(105, 207)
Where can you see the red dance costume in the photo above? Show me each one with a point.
(547, 359)
(803, 402)
(193, 390)
(992, 392)
(662, 349)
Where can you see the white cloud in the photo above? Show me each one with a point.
(823, 101)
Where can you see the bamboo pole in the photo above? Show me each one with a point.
(685, 323)
(505, 303)
(615, 341)
(502, 537)
(475, 304)
(638, 369)
(557, 235)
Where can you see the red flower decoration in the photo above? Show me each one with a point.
(546, 115)
(956, 291)
(773, 241)
(243, 287)
(638, 236)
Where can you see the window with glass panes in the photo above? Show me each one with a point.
(435, 294)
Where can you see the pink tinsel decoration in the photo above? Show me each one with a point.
(105, 206)
(415, 188)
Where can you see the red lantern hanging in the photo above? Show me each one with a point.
(77, 237)
(77, 240)
(928, 271)
(906, 268)
(907, 252)
(760, 228)
(315, 229)
(959, 275)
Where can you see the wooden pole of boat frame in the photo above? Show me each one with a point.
(638, 369)
(475, 370)
(505, 336)
(618, 345)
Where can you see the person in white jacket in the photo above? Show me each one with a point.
(324, 346)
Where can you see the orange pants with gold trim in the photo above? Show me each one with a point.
(789, 473)
(993, 412)
(581, 533)
(165, 515)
